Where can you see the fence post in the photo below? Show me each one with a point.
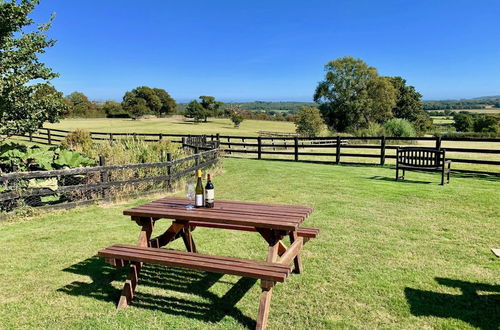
(104, 176)
(197, 159)
(49, 136)
(259, 148)
(382, 150)
(169, 171)
(296, 148)
(337, 154)
(217, 139)
(110, 137)
(160, 137)
(438, 142)
(31, 136)
(183, 143)
(229, 144)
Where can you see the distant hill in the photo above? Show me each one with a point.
(483, 102)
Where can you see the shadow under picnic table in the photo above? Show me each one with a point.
(480, 310)
(180, 280)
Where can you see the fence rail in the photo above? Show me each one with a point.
(339, 150)
(98, 182)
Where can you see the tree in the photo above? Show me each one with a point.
(196, 111)
(80, 106)
(168, 105)
(487, 124)
(463, 122)
(308, 121)
(211, 106)
(141, 101)
(114, 110)
(353, 94)
(26, 100)
(234, 113)
(409, 105)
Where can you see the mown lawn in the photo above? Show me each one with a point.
(174, 125)
(397, 255)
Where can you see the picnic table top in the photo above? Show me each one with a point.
(259, 215)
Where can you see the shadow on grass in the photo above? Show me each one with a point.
(384, 178)
(479, 310)
(213, 309)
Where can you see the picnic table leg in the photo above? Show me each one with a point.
(297, 260)
(135, 267)
(187, 237)
(267, 288)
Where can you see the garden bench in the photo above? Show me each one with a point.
(423, 159)
(272, 221)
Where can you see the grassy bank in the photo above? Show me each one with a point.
(395, 255)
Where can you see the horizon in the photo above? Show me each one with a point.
(269, 52)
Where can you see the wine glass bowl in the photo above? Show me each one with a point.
(190, 195)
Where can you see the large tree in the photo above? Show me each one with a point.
(353, 94)
(409, 104)
(168, 105)
(211, 106)
(79, 105)
(145, 100)
(196, 111)
(26, 99)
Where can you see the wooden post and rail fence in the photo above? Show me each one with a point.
(480, 157)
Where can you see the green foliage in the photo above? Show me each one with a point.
(196, 111)
(475, 103)
(144, 100)
(353, 94)
(78, 140)
(373, 129)
(80, 106)
(463, 122)
(19, 157)
(114, 109)
(26, 97)
(399, 128)
(212, 107)
(235, 115)
(308, 122)
(487, 124)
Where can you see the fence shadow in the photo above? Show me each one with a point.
(212, 310)
(384, 178)
(473, 306)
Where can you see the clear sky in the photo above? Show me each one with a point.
(270, 50)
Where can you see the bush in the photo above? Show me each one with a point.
(308, 122)
(399, 128)
(463, 122)
(236, 118)
(487, 124)
(79, 140)
(373, 129)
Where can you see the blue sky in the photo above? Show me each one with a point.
(270, 50)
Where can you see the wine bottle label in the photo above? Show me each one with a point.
(199, 200)
(210, 194)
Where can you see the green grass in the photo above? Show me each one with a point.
(175, 125)
(395, 255)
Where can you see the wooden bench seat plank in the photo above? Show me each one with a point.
(197, 262)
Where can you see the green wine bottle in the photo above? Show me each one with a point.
(198, 199)
(209, 193)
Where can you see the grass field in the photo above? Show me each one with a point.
(175, 125)
(391, 255)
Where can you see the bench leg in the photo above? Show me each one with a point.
(187, 237)
(267, 290)
(297, 260)
(135, 267)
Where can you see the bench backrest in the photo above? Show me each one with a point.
(420, 157)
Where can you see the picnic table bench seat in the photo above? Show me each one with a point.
(260, 270)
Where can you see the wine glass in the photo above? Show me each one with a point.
(190, 195)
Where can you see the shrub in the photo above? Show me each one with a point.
(236, 118)
(373, 129)
(79, 140)
(308, 122)
(487, 124)
(463, 122)
(399, 128)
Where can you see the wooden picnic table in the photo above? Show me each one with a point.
(272, 221)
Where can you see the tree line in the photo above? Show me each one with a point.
(476, 103)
